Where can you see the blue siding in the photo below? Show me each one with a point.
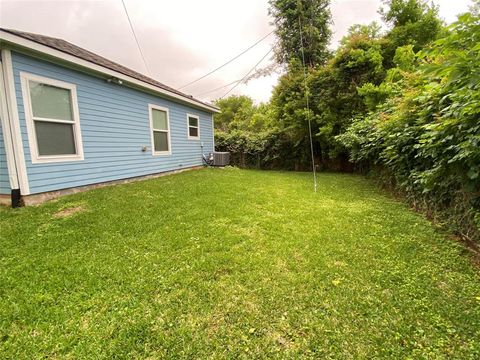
(114, 122)
(4, 182)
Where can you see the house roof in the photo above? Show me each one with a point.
(78, 52)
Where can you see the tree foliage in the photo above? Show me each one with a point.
(426, 132)
(313, 18)
(248, 132)
(412, 22)
(237, 112)
(335, 99)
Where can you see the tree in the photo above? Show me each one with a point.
(334, 87)
(289, 109)
(412, 22)
(334, 98)
(237, 110)
(247, 131)
(313, 18)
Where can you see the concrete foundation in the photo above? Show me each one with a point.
(5, 200)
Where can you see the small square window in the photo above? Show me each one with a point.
(192, 121)
(193, 132)
(193, 127)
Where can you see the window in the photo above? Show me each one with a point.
(193, 127)
(53, 123)
(160, 127)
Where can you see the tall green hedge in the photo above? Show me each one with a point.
(426, 133)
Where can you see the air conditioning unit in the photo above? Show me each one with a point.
(221, 158)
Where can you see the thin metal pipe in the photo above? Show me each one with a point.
(308, 108)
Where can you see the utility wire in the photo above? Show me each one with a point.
(308, 108)
(228, 62)
(136, 40)
(218, 88)
(247, 74)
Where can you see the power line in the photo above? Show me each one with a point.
(136, 40)
(308, 107)
(219, 88)
(228, 62)
(246, 75)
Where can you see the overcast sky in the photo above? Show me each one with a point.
(182, 39)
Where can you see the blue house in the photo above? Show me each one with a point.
(71, 120)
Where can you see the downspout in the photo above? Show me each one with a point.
(14, 155)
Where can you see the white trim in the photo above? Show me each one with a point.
(32, 138)
(7, 138)
(17, 143)
(213, 133)
(196, 127)
(14, 39)
(150, 115)
(37, 118)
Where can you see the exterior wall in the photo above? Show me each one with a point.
(4, 181)
(115, 124)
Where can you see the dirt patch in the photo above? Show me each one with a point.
(68, 211)
(282, 341)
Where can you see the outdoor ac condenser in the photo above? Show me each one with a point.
(221, 158)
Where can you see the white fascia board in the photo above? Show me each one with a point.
(32, 45)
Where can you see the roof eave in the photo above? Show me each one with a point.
(43, 49)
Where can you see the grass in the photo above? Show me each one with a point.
(234, 264)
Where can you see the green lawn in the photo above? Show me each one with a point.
(226, 263)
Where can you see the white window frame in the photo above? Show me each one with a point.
(197, 127)
(36, 158)
(152, 107)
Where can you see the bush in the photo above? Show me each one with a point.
(426, 134)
